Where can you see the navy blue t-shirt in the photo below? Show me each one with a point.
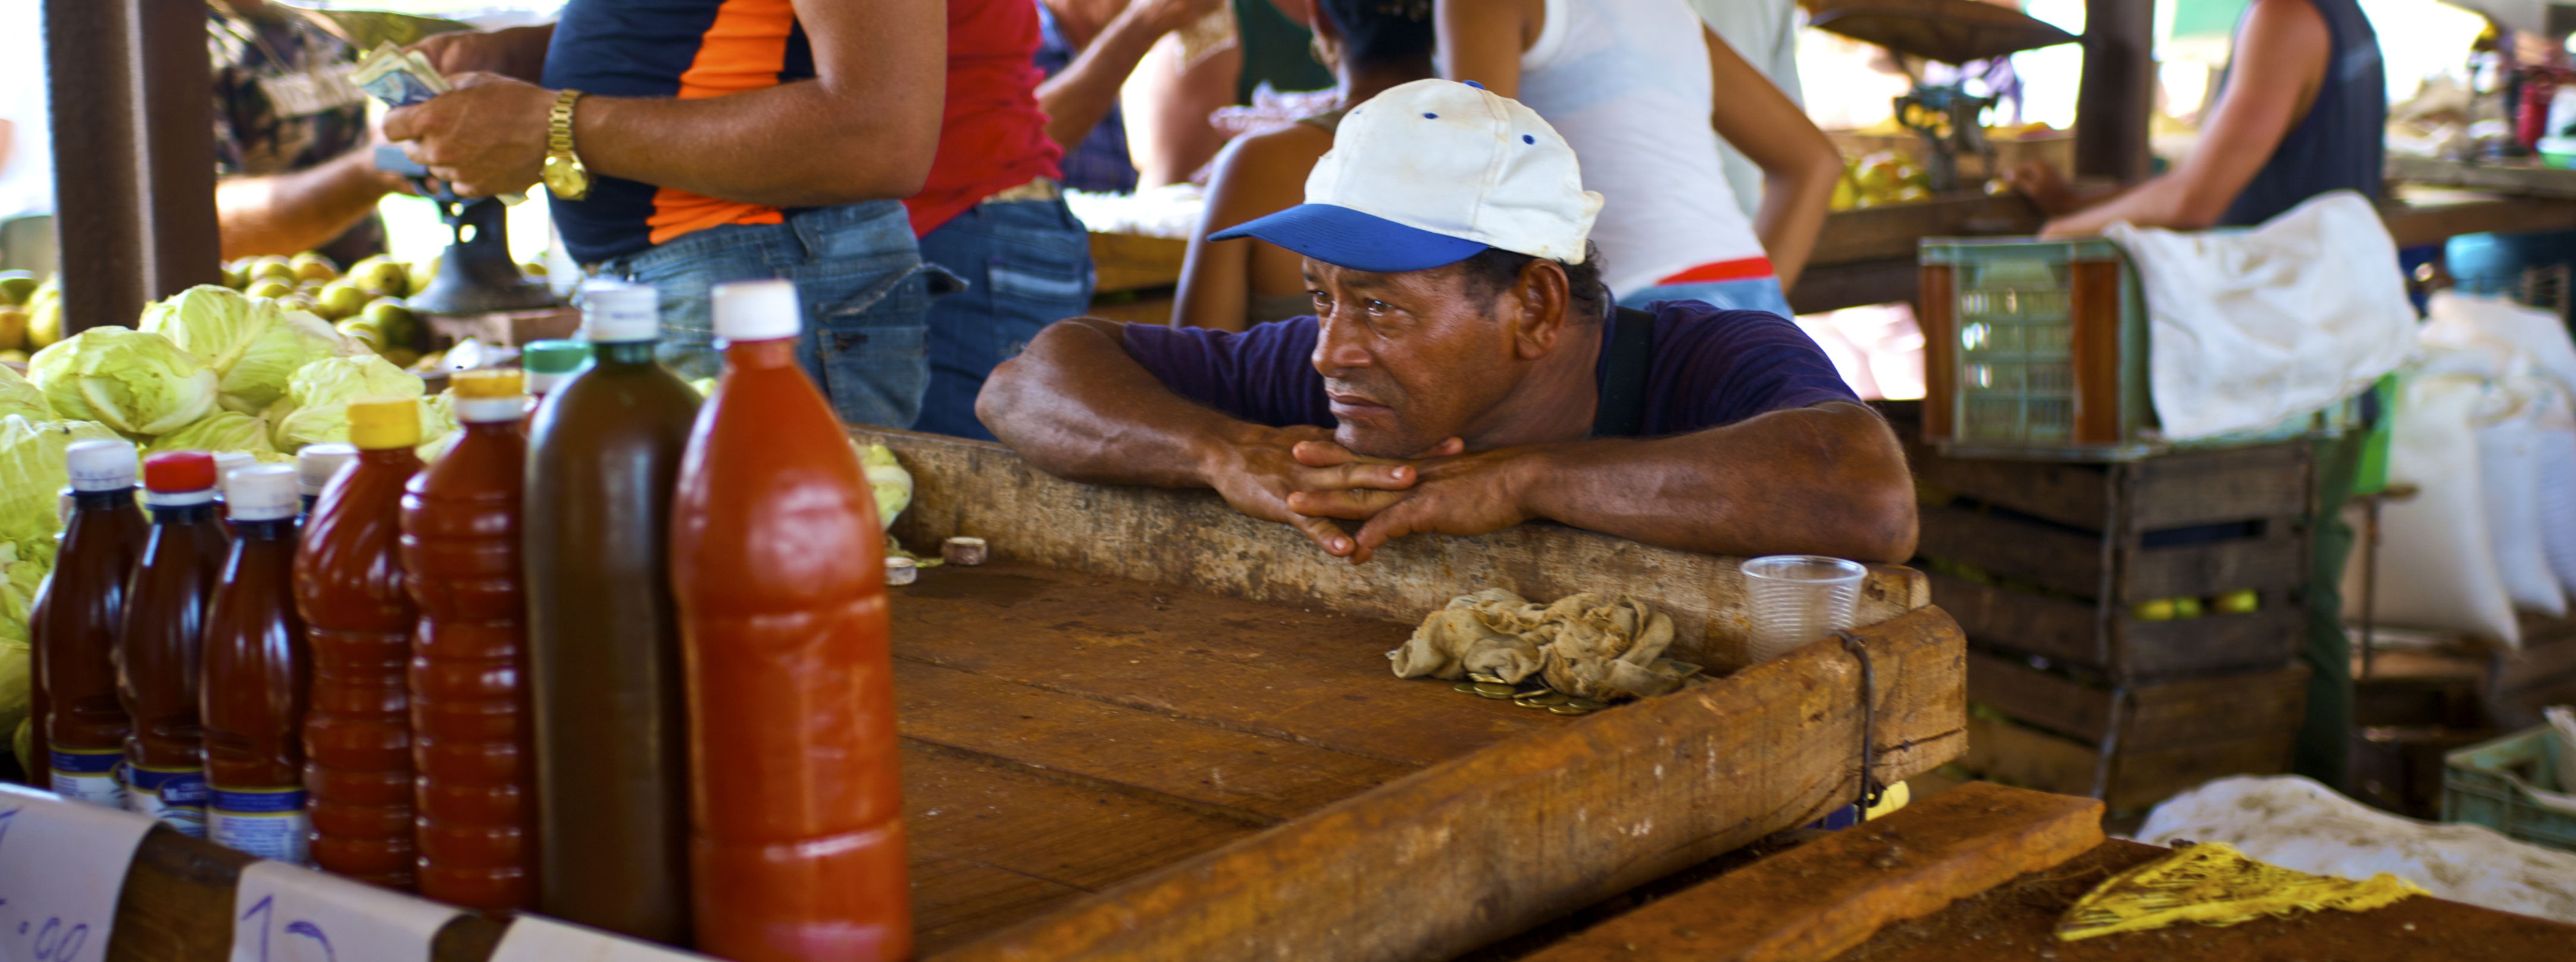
(1709, 367)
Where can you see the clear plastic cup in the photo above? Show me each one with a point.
(1798, 598)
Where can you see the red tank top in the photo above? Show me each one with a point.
(992, 136)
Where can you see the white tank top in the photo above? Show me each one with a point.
(1627, 84)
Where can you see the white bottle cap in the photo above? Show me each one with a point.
(261, 492)
(757, 310)
(101, 465)
(614, 310)
(315, 465)
(227, 462)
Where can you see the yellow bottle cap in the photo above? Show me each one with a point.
(380, 423)
(485, 382)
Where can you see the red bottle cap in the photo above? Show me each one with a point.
(179, 471)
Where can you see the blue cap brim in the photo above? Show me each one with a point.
(1344, 237)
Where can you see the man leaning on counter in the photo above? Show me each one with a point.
(1466, 370)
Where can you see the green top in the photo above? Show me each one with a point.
(1275, 49)
(554, 357)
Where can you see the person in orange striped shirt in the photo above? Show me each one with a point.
(722, 140)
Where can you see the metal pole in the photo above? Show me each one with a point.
(134, 204)
(2117, 96)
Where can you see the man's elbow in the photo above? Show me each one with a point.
(1881, 524)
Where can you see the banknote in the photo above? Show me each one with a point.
(397, 77)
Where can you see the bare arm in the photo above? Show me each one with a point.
(865, 128)
(1799, 166)
(1168, 133)
(1077, 97)
(289, 213)
(518, 53)
(1256, 175)
(2280, 63)
(1482, 40)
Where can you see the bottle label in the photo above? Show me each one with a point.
(175, 796)
(92, 776)
(269, 823)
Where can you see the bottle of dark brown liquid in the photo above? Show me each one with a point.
(612, 753)
(76, 622)
(258, 673)
(158, 653)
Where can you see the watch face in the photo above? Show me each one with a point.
(566, 177)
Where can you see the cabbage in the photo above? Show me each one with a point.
(318, 396)
(19, 580)
(134, 381)
(32, 473)
(887, 479)
(215, 323)
(269, 363)
(221, 431)
(21, 396)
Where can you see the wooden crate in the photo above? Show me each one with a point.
(2161, 738)
(2067, 549)
(1156, 729)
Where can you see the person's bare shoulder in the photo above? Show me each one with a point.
(1266, 170)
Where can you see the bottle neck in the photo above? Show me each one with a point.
(622, 353)
(265, 529)
(112, 499)
(402, 458)
(198, 513)
(754, 355)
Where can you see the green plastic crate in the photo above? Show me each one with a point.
(2490, 783)
(2012, 330)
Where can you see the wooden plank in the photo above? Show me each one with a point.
(2268, 636)
(1303, 676)
(2206, 487)
(2067, 493)
(1081, 836)
(2519, 178)
(2175, 714)
(955, 900)
(1126, 262)
(2052, 558)
(2419, 216)
(2037, 759)
(1821, 898)
(2095, 294)
(1936, 315)
(2055, 628)
(2016, 920)
(1123, 749)
(1897, 230)
(2278, 559)
(1557, 821)
(1193, 539)
(1832, 287)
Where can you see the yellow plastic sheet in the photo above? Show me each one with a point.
(2214, 884)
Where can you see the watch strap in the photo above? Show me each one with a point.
(559, 125)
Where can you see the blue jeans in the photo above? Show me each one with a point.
(859, 279)
(1027, 264)
(1749, 294)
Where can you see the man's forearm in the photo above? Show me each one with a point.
(1825, 480)
(803, 144)
(1052, 402)
(291, 213)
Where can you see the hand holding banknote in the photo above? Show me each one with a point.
(485, 137)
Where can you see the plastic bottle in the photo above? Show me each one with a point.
(778, 565)
(550, 363)
(314, 466)
(158, 651)
(77, 621)
(603, 639)
(470, 727)
(349, 588)
(258, 667)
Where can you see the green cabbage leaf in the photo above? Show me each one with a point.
(22, 397)
(221, 431)
(33, 474)
(134, 381)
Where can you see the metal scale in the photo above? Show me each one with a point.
(1947, 118)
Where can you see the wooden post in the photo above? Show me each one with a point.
(134, 185)
(2118, 93)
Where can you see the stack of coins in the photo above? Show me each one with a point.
(1529, 693)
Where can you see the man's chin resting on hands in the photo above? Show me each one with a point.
(1463, 373)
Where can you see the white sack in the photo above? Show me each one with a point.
(2555, 456)
(2507, 330)
(2298, 824)
(2509, 482)
(2247, 329)
(2437, 563)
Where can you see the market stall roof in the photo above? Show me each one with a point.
(1949, 31)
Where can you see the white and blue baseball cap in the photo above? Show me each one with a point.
(1429, 174)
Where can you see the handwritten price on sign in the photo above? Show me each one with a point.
(61, 866)
(286, 913)
(266, 912)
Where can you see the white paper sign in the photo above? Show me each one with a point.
(535, 938)
(285, 913)
(61, 866)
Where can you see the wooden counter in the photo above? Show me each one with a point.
(1156, 729)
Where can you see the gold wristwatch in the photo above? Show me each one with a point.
(564, 173)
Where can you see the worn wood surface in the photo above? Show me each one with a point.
(1193, 539)
(2152, 716)
(2073, 632)
(1127, 262)
(1494, 841)
(2025, 756)
(1828, 895)
(2015, 921)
